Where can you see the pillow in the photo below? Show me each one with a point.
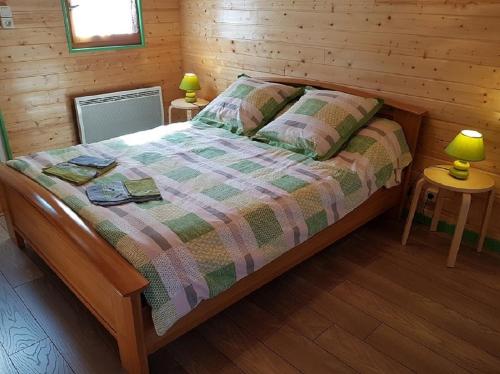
(285, 108)
(383, 143)
(247, 105)
(320, 123)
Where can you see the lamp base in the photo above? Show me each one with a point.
(191, 97)
(460, 169)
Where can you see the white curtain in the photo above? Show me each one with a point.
(103, 18)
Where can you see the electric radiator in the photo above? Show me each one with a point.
(106, 116)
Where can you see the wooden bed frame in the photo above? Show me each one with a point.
(111, 288)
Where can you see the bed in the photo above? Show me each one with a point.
(89, 250)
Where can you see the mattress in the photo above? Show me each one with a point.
(230, 205)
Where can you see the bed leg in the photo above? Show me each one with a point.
(4, 203)
(18, 240)
(130, 334)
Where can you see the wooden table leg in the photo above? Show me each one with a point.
(459, 230)
(170, 114)
(413, 208)
(437, 211)
(486, 220)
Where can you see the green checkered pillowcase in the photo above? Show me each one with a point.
(286, 108)
(247, 105)
(320, 123)
(382, 143)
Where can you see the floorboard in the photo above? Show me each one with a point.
(248, 353)
(16, 267)
(432, 249)
(304, 354)
(294, 347)
(6, 365)
(358, 354)
(197, 356)
(73, 330)
(458, 281)
(430, 310)
(431, 336)
(281, 300)
(423, 283)
(41, 358)
(410, 353)
(18, 328)
(367, 305)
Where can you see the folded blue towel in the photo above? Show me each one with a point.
(96, 162)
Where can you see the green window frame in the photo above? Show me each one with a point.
(5, 138)
(105, 45)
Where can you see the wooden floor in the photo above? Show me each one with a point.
(365, 305)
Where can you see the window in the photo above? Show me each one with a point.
(103, 24)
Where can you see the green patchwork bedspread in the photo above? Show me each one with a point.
(230, 205)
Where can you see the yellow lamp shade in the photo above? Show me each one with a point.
(190, 82)
(467, 146)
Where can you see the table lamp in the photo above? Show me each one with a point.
(467, 146)
(190, 84)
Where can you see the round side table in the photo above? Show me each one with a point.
(188, 107)
(478, 182)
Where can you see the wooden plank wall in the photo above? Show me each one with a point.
(443, 55)
(39, 77)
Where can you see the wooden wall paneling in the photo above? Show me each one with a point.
(439, 55)
(39, 77)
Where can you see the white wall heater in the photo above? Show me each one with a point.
(106, 116)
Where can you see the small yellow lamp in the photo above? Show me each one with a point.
(467, 146)
(190, 84)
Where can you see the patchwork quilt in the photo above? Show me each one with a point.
(230, 205)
